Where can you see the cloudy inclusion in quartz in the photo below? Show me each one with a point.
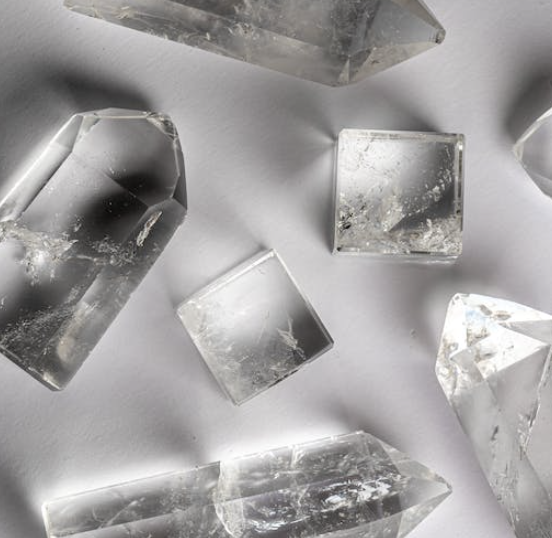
(353, 484)
(253, 327)
(399, 194)
(494, 367)
(79, 231)
(334, 42)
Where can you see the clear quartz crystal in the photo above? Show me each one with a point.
(334, 42)
(534, 152)
(399, 194)
(352, 484)
(79, 231)
(254, 327)
(494, 367)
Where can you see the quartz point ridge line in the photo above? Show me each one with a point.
(534, 149)
(353, 484)
(333, 42)
(254, 327)
(78, 232)
(494, 367)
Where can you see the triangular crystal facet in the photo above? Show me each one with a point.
(494, 366)
(335, 42)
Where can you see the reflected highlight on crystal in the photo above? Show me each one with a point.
(253, 327)
(494, 367)
(399, 195)
(534, 152)
(335, 42)
(80, 230)
(352, 484)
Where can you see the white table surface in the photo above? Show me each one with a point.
(259, 150)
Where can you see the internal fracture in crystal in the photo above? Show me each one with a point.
(494, 367)
(253, 327)
(399, 194)
(335, 42)
(534, 152)
(352, 484)
(79, 231)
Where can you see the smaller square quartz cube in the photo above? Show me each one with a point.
(254, 327)
(399, 195)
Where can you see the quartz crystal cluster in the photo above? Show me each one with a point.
(534, 152)
(399, 194)
(80, 230)
(353, 484)
(253, 327)
(494, 367)
(335, 42)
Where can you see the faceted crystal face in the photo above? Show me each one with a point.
(353, 484)
(80, 230)
(334, 42)
(399, 194)
(534, 152)
(494, 367)
(253, 327)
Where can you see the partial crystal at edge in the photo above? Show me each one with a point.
(254, 327)
(352, 484)
(334, 42)
(494, 367)
(399, 195)
(80, 230)
(534, 151)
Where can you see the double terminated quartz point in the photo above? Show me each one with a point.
(78, 233)
(494, 367)
(334, 42)
(353, 484)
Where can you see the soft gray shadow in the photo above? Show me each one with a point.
(532, 100)
(17, 508)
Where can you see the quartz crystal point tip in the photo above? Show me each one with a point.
(80, 230)
(254, 327)
(398, 195)
(334, 42)
(353, 484)
(534, 151)
(494, 367)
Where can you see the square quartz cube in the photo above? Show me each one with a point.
(254, 327)
(399, 195)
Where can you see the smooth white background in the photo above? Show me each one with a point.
(259, 152)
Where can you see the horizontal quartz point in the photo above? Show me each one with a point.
(78, 232)
(254, 327)
(335, 42)
(353, 484)
(494, 367)
(398, 195)
(534, 152)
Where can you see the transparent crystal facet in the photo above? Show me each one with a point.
(494, 367)
(253, 327)
(80, 230)
(352, 484)
(334, 42)
(399, 194)
(534, 152)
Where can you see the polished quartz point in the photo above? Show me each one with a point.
(254, 327)
(352, 484)
(78, 232)
(399, 195)
(494, 367)
(335, 42)
(534, 152)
